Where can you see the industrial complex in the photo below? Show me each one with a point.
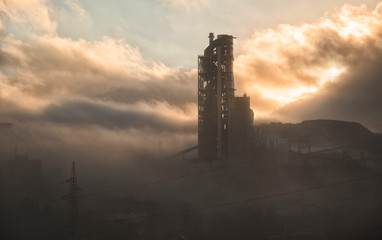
(318, 179)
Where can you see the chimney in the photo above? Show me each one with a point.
(211, 37)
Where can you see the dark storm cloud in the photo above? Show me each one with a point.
(85, 113)
(172, 91)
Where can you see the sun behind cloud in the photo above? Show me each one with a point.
(289, 63)
(106, 85)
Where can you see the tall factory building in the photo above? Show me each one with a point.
(224, 121)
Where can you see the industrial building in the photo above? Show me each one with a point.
(224, 121)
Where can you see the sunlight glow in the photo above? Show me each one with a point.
(330, 74)
(284, 96)
(287, 95)
(355, 29)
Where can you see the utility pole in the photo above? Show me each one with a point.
(73, 207)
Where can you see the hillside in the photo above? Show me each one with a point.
(322, 132)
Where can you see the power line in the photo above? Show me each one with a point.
(200, 172)
(364, 231)
(165, 180)
(212, 206)
(138, 185)
(178, 177)
(39, 202)
(308, 205)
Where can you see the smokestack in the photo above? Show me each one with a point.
(211, 37)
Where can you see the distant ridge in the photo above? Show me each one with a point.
(324, 131)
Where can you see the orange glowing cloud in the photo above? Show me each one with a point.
(286, 64)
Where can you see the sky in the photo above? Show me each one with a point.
(78, 75)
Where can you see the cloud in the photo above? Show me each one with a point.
(33, 14)
(56, 142)
(77, 9)
(292, 62)
(51, 68)
(354, 97)
(77, 89)
(158, 117)
(75, 96)
(98, 131)
(186, 5)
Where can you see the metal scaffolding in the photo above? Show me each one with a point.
(215, 97)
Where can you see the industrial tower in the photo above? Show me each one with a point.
(224, 121)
